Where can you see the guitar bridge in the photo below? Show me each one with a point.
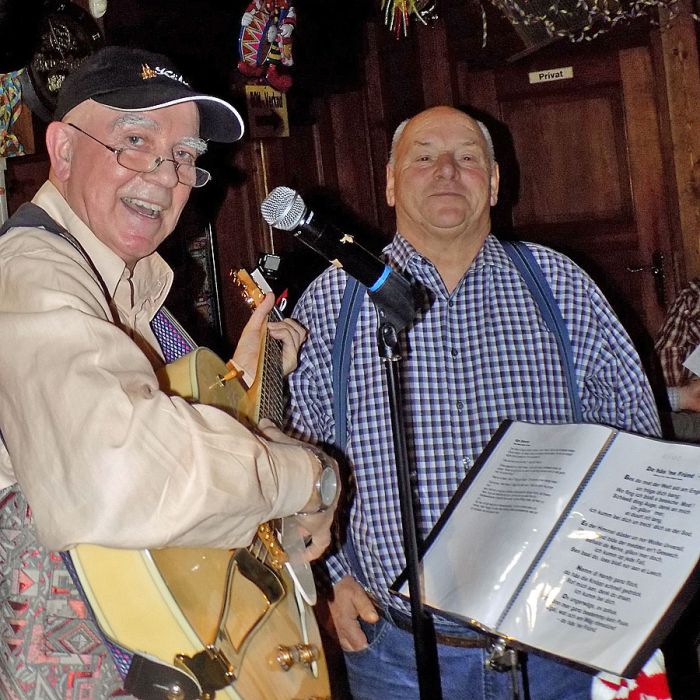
(219, 664)
(210, 668)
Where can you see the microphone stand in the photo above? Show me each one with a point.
(394, 316)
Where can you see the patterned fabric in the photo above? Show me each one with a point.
(50, 648)
(680, 335)
(50, 645)
(472, 359)
(173, 340)
(650, 684)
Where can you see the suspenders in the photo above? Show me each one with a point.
(354, 295)
(534, 278)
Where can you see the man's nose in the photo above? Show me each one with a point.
(165, 172)
(446, 166)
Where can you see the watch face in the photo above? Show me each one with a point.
(328, 486)
(68, 36)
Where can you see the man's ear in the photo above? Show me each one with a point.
(59, 145)
(390, 199)
(495, 179)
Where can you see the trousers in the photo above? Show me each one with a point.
(386, 670)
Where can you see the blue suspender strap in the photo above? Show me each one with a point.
(532, 274)
(342, 343)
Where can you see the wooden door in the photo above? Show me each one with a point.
(585, 172)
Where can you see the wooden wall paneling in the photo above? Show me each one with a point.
(380, 131)
(435, 69)
(353, 153)
(643, 137)
(303, 166)
(678, 70)
(400, 68)
(577, 146)
(477, 88)
(571, 142)
(324, 146)
(238, 239)
(266, 158)
(301, 160)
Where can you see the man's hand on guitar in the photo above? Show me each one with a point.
(316, 516)
(288, 331)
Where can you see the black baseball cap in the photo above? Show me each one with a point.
(134, 80)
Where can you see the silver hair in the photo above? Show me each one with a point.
(402, 126)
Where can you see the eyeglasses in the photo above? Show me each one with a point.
(145, 162)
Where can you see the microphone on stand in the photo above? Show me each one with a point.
(284, 209)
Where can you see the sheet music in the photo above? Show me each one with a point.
(571, 539)
(504, 518)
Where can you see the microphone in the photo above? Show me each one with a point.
(284, 209)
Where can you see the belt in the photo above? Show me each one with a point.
(403, 621)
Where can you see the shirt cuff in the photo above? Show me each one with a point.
(295, 469)
(338, 567)
(674, 399)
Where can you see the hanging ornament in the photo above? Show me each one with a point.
(265, 43)
(10, 107)
(397, 14)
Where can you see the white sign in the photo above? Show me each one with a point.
(545, 76)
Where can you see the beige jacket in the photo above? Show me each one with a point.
(102, 455)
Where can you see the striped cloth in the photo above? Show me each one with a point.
(680, 335)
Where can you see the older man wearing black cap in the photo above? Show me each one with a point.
(92, 451)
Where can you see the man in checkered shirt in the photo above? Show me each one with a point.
(478, 353)
(678, 338)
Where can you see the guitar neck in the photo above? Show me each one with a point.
(266, 395)
(271, 389)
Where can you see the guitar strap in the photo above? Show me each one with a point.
(144, 677)
(533, 276)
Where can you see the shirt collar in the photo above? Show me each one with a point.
(405, 256)
(152, 277)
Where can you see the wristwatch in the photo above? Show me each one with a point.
(326, 486)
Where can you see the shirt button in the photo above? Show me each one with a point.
(466, 462)
(455, 352)
(460, 405)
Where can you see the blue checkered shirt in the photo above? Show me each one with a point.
(472, 359)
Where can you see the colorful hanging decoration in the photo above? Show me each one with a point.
(265, 42)
(397, 14)
(581, 20)
(10, 108)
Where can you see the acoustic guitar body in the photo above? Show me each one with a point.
(242, 605)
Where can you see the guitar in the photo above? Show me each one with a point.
(237, 622)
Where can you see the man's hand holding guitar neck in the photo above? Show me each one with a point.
(289, 332)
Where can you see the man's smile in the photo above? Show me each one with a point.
(142, 207)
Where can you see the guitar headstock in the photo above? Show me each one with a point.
(250, 291)
(253, 286)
